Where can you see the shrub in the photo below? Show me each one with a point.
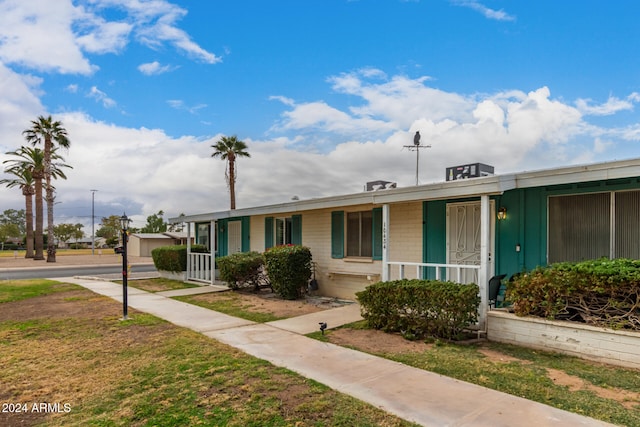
(174, 258)
(420, 308)
(289, 269)
(241, 268)
(600, 292)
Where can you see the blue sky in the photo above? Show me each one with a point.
(325, 93)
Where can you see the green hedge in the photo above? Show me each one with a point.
(174, 258)
(420, 308)
(240, 268)
(289, 269)
(599, 292)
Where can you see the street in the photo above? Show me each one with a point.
(72, 270)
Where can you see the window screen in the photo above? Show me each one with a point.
(579, 227)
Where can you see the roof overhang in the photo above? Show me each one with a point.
(476, 187)
(467, 188)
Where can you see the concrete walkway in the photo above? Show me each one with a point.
(413, 394)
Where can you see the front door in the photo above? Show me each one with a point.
(234, 242)
(463, 239)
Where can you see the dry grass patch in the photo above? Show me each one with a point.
(72, 348)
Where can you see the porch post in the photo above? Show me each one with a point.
(188, 250)
(212, 245)
(485, 245)
(385, 243)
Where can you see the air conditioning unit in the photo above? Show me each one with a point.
(472, 170)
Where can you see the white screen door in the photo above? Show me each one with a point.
(463, 239)
(234, 244)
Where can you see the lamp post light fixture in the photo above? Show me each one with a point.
(124, 223)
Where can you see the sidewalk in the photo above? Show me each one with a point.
(413, 394)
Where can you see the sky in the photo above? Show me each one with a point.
(326, 94)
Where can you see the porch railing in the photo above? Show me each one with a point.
(421, 268)
(199, 267)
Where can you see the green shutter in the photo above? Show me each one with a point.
(296, 229)
(337, 234)
(268, 232)
(246, 233)
(376, 233)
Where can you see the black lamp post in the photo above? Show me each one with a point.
(124, 223)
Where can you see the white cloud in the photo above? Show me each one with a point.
(55, 35)
(142, 171)
(498, 15)
(179, 104)
(38, 34)
(153, 68)
(612, 106)
(102, 97)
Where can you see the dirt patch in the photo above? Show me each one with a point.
(270, 303)
(57, 305)
(626, 398)
(374, 341)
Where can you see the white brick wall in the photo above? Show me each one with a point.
(405, 244)
(620, 348)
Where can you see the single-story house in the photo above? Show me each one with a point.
(141, 244)
(466, 230)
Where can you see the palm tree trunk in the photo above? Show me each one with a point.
(51, 244)
(39, 238)
(232, 182)
(28, 195)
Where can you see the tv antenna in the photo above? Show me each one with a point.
(416, 147)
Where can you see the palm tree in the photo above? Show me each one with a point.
(31, 160)
(53, 135)
(229, 149)
(23, 180)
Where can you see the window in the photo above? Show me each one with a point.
(594, 225)
(282, 231)
(203, 234)
(359, 234)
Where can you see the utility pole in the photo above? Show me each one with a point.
(93, 222)
(416, 146)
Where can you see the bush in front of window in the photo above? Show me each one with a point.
(603, 292)
(240, 268)
(420, 308)
(289, 269)
(174, 258)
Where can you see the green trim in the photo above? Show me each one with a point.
(337, 234)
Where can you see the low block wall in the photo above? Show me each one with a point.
(620, 348)
(182, 276)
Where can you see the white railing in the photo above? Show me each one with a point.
(199, 267)
(422, 266)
